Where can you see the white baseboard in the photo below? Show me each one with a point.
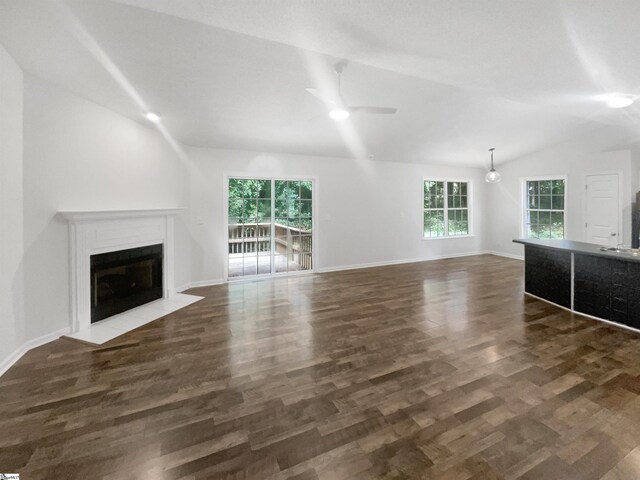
(507, 255)
(207, 283)
(399, 262)
(36, 342)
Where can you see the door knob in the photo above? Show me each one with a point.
(614, 234)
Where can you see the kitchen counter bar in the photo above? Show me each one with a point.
(582, 278)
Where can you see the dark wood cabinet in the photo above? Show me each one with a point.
(584, 278)
(592, 280)
(607, 288)
(548, 274)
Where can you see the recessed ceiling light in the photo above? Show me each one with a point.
(152, 117)
(339, 114)
(620, 100)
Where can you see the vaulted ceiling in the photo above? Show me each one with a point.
(465, 75)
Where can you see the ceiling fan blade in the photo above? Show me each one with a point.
(377, 110)
(321, 96)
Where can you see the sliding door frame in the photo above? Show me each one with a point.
(314, 223)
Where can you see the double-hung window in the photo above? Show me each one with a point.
(446, 209)
(544, 211)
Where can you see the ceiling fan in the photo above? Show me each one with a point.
(339, 108)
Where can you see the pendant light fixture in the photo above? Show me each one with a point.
(492, 176)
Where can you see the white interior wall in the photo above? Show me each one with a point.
(81, 156)
(574, 159)
(11, 214)
(367, 212)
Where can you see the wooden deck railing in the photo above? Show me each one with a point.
(255, 237)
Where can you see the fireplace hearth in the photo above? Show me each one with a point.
(125, 279)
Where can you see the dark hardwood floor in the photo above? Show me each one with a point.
(438, 370)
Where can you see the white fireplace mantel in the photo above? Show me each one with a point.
(95, 232)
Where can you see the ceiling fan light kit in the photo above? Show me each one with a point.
(152, 117)
(620, 100)
(339, 114)
(339, 110)
(492, 176)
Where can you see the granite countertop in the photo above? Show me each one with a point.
(579, 247)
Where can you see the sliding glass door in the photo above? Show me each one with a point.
(270, 225)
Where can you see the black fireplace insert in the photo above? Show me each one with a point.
(125, 279)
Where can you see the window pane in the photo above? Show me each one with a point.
(264, 210)
(234, 185)
(264, 189)
(434, 223)
(306, 190)
(557, 202)
(294, 244)
(545, 187)
(558, 187)
(305, 208)
(249, 210)
(535, 231)
(264, 230)
(294, 189)
(236, 206)
(458, 222)
(544, 218)
(304, 225)
(433, 194)
(291, 209)
(304, 262)
(281, 226)
(533, 188)
(545, 202)
(306, 243)
(281, 208)
(280, 263)
(250, 265)
(243, 188)
(557, 231)
(264, 261)
(281, 190)
(533, 201)
(557, 218)
(544, 231)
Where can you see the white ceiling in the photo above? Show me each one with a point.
(465, 75)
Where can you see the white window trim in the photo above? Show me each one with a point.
(524, 200)
(470, 207)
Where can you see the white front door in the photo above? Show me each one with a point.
(603, 210)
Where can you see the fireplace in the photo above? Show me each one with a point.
(125, 279)
(94, 233)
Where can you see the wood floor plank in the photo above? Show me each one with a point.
(441, 370)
